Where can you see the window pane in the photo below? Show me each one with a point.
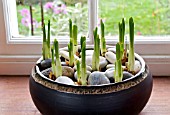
(151, 17)
(58, 11)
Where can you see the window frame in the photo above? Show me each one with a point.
(16, 51)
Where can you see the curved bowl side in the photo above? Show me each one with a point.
(126, 102)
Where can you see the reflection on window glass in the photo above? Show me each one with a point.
(151, 17)
(58, 11)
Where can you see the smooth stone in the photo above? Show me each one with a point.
(63, 63)
(97, 78)
(127, 75)
(65, 54)
(76, 57)
(89, 61)
(111, 57)
(46, 72)
(67, 71)
(65, 80)
(137, 66)
(89, 52)
(103, 62)
(113, 66)
(109, 73)
(87, 67)
(112, 50)
(87, 72)
(110, 66)
(123, 67)
(64, 48)
(45, 64)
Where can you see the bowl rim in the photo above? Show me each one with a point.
(137, 56)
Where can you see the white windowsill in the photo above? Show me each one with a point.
(22, 64)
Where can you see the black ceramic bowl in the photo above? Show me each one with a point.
(125, 98)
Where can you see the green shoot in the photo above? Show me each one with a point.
(73, 35)
(75, 30)
(121, 36)
(70, 28)
(46, 43)
(96, 53)
(131, 57)
(54, 70)
(83, 61)
(126, 48)
(48, 37)
(71, 53)
(57, 61)
(118, 64)
(103, 41)
(78, 70)
(123, 28)
(82, 40)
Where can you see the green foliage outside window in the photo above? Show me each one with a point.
(152, 17)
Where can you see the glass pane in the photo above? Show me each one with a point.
(151, 17)
(58, 11)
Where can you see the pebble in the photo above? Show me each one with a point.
(126, 75)
(111, 57)
(65, 80)
(112, 50)
(65, 55)
(89, 52)
(64, 63)
(137, 67)
(109, 73)
(89, 61)
(103, 62)
(97, 78)
(64, 48)
(46, 72)
(110, 66)
(87, 67)
(45, 64)
(124, 67)
(67, 71)
(113, 66)
(88, 74)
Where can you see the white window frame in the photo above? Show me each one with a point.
(18, 55)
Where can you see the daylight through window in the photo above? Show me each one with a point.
(151, 17)
(58, 11)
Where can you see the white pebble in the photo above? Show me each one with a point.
(111, 57)
(64, 80)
